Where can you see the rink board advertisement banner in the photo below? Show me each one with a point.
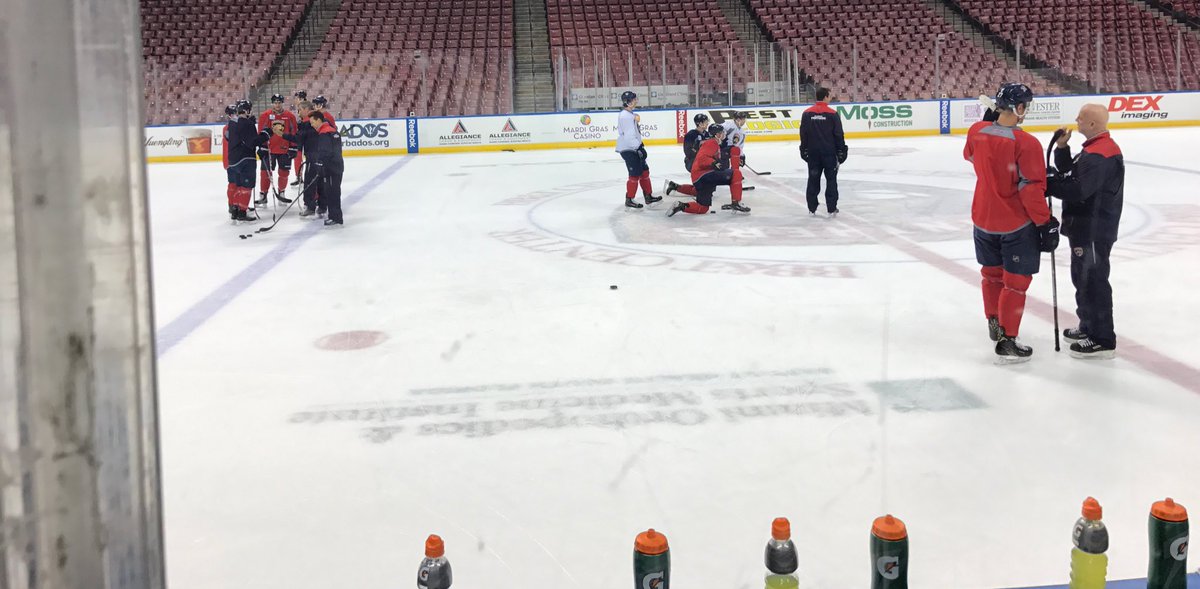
(668, 126)
(1152, 109)
(544, 131)
(204, 142)
(767, 123)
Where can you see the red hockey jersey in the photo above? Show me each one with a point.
(278, 145)
(1010, 185)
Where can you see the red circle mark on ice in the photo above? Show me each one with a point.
(351, 340)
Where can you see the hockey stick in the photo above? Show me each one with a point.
(1053, 265)
(280, 218)
(756, 172)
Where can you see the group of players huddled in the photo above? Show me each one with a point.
(712, 153)
(307, 139)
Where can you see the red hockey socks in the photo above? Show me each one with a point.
(231, 193)
(687, 189)
(283, 178)
(646, 188)
(1012, 302)
(297, 162)
(241, 197)
(695, 208)
(993, 284)
(264, 181)
(735, 190)
(631, 187)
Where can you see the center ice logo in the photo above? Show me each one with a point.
(888, 567)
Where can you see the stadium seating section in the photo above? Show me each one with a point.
(191, 73)
(390, 57)
(1137, 45)
(599, 49)
(886, 33)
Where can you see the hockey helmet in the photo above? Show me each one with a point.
(627, 97)
(302, 95)
(244, 106)
(277, 98)
(741, 114)
(231, 110)
(1010, 95)
(700, 118)
(320, 100)
(714, 128)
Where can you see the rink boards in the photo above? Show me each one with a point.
(575, 130)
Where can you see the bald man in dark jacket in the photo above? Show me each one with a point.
(1093, 196)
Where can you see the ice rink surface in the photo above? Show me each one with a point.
(454, 361)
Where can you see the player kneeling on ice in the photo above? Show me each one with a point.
(629, 145)
(1013, 224)
(709, 172)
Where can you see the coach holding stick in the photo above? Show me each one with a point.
(1092, 188)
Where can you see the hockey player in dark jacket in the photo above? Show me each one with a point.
(306, 137)
(823, 147)
(328, 163)
(1092, 192)
(694, 139)
(244, 139)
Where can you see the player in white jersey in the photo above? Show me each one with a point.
(629, 145)
(735, 136)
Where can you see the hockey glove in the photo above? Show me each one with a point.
(742, 161)
(1048, 235)
(642, 152)
(264, 153)
(1062, 186)
(292, 151)
(842, 154)
(803, 153)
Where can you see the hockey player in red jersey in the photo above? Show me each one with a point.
(708, 173)
(297, 162)
(1013, 224)
(321, 105)
(278, 153)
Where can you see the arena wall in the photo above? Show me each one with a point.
(667, 126)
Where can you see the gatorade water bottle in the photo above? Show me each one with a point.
(783, 582)
(889, 553)
(651, 561)
(435, 569)
(1089, 564)
(1168, 545)
(780, 556)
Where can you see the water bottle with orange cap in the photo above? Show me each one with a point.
(435, 569)
(651, 561)
(1168, 545)
(780, 556)
(889, 553)
(1089, 564)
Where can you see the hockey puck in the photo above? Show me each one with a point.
(243, 236)
(612, 287)
(712, 212)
